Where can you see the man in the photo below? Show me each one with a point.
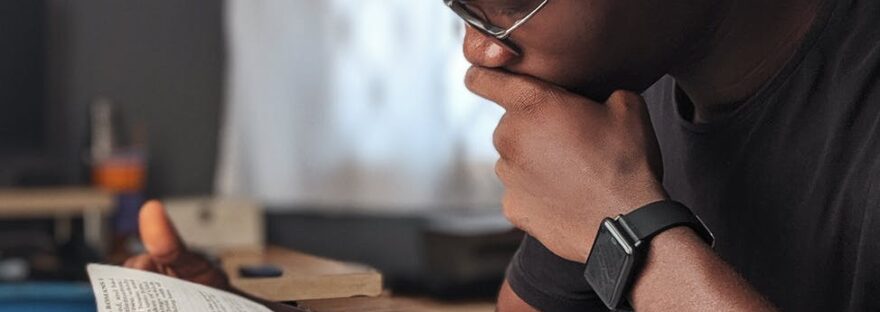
(766, 116)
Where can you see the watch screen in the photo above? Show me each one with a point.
(606, 265)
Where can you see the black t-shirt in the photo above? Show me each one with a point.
(789, 182)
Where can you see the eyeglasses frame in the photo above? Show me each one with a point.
(499, 33)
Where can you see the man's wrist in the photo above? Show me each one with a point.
(682, 273)
(651, 193)
(671, 252)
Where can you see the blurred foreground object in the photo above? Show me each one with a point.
(119, 166)
(46, 297)
(62, 205)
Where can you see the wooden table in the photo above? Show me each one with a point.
(324, 285)
(390, 303)
(304, 276)
(61, 204)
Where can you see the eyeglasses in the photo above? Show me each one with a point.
(482, 24)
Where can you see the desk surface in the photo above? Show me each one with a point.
(46, 202)
(323, 285)
(304, 276)
(394, 304)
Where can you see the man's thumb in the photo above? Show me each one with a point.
(158, 234)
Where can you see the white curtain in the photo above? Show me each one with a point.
(353, 105)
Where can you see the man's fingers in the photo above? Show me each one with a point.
(141, 262)
(158, 234)
(512, 92)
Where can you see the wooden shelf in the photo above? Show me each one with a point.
(53, 202)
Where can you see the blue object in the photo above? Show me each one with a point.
(126, 219)
(46, 297)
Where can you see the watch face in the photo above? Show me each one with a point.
(609, 264)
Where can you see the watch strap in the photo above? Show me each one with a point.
(654, 218)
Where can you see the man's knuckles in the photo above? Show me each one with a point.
(501, 171)
(623, 97)
(517, 135)
(511, 210)
(141, 262)
(472, 79)
(505, 139)
(626, 103)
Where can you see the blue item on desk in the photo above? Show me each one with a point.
(46, 297)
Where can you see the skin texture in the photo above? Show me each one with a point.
(576, 147)
(576, 144)
(595, 47)
(166, 254)
(561, 152)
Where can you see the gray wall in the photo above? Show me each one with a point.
(162, 62)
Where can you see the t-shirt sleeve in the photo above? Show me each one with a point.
(548, 282)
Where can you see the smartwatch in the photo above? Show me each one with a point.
(621, 247)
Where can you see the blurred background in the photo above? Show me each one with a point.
(339, 128)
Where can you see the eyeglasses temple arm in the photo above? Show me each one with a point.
(521, 21)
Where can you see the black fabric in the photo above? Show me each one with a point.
(788, 182)
(652, 219)
(548, 282)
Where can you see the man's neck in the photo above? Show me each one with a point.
(750, 44)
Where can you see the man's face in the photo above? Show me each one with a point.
(594, 47)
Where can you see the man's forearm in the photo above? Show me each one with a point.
(683, 274)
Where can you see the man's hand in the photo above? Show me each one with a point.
(567, 162)
(166, 253)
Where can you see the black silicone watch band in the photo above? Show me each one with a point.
(650, 220)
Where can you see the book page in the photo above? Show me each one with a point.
(119, 289)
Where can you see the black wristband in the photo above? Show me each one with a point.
(622, 243)
(654, 218)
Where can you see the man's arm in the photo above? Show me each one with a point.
(568, 162)
(681, 274)
(166, 254)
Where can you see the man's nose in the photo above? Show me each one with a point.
(482, 51)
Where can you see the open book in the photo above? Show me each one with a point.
(119, 289)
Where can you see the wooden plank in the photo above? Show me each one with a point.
(50, 202)
(394, 304)
(304, 276)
